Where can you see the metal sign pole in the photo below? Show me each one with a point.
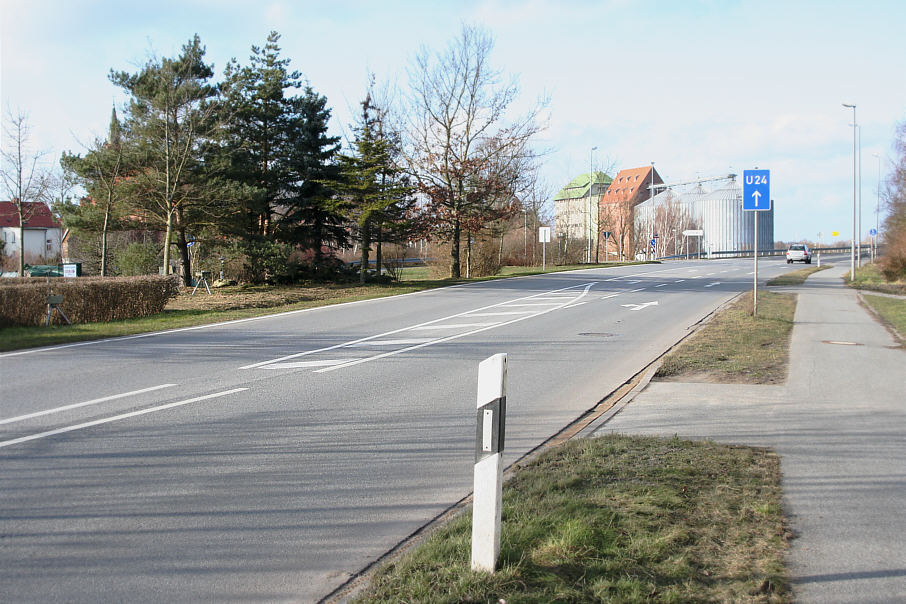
(755, 287)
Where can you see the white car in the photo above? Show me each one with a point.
(798, 252)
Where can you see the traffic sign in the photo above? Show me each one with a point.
(873, 232)
(654, 243)
(756, 189)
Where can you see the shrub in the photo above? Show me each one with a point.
(85, 300)
(137, 259)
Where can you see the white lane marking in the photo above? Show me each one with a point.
(614, 279)
(661, 285)
(632, 291)
(639, 306)
(107, 420)
(530, 304)
(574, 305)
(679, 280)
(713, 284)
(389, 342)
(460, 335)
(499, 314)
(610, 296)
(411, 327)
(634, 281)
(698, 277)
(104, 399)
(453, 326)
(302, 364)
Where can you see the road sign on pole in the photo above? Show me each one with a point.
(756, 196)
(756, 189)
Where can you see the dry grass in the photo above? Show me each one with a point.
(735, 347)
(617, 519)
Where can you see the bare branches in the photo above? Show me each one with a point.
(468, 158)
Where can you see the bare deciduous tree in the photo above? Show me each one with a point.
(464, 153)
(25, 181)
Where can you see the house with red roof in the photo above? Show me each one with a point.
(629, 188)
(41, 234)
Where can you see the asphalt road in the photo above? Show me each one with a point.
(273, 458)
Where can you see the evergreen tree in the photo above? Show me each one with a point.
(170, 115)
(255, 139)
(380, 198)
(99, 172)
(314, 216)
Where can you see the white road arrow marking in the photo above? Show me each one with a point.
(639, 306)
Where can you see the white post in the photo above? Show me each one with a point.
(487, 501)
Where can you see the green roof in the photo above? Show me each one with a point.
(578, 187)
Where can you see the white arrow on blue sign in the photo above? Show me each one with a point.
(756, 189)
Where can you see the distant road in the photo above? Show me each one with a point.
(273, 458)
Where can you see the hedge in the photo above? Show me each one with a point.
(23, 301)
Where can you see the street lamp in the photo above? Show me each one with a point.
(591, 174)
(852, 250)
(874, 240)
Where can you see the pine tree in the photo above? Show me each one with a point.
(170, 115)
(99, 172)
(314, 216)
(380, 199)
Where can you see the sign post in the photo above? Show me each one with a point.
(606, 246)
(544, 237)
(487, 499)
(756, 197)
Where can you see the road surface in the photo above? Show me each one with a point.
(274, 458)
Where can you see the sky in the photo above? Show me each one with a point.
(702, 88)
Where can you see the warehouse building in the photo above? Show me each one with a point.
(717, 213)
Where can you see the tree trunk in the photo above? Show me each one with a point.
(104, 238)
(468, 254)
(366, 244)
(379, 253)
(186, 262)
(454, 249)
(167, 237)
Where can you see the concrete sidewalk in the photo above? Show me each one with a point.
(839, 425)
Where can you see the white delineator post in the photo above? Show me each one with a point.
(487, 501)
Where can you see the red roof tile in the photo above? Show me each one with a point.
(37, 215)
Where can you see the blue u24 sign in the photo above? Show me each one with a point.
(756, 189)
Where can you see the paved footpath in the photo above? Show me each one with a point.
(839, 425)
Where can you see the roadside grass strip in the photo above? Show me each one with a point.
(735, 347)
(891, 310)
(616, 519)
(797, 277)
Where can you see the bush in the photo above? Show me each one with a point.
(86, 300)
(137, 259)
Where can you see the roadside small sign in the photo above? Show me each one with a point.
(693, 233)
(756, 189)
(544, 234)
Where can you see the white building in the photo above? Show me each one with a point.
(42, 233)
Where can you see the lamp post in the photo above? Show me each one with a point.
(524, 237)
(874, 240)
(859, 222)
(588, 222)
(852, 250)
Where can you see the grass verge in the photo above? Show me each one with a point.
(616, 519)
(891, 310)
(797, 277)
(869, 277)
(239, 302)
(735, 347)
